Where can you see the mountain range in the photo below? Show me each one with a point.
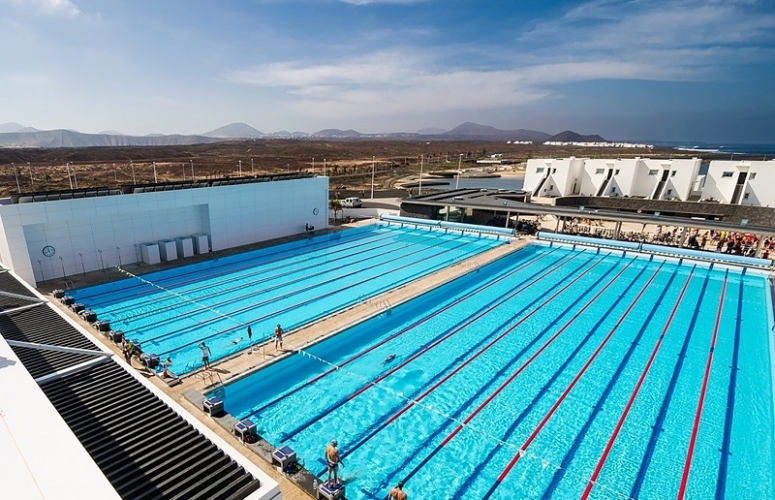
(14, 135)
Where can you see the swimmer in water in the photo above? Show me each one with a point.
(236, 341)
(390, 358)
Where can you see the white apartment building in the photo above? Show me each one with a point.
(551, 178)
(653, 179)
(740, 182)
(632, 177)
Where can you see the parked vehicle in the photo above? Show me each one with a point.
(352, 203)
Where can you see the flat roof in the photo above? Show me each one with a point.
(498, 200)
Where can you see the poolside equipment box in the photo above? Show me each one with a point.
(284, 457)
(184, 246)
(116, 336)
(77, 307)
(245, 428)
(168, 250)
(150, 361)
(67, 300)
(58, 294)
(89, 315)
(330, 492)
(213, 406)
(150, 253)
(201, 243)
(103, 326)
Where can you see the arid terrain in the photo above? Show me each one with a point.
(348, 163)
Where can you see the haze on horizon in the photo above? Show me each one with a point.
(650, 70)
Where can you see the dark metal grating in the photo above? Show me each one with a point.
(145, 449)
(42, 325)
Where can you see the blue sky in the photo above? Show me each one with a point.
(684, 70)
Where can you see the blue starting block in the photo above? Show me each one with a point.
(330, 492)
(213, 406)
(285, 457)
(245, 428)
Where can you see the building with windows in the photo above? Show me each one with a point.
(647, 178)
(552, 178)
(740, 182)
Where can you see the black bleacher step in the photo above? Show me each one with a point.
(97, 400)
(139, 417)
(191, 490)
(242, 488)
(128, 439)
(160, 472)
(161, 456)
(182, 477)
(212, 489)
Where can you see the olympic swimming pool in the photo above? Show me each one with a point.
(550, 373)
(170, 312)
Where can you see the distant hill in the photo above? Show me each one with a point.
(336, 133)
(570, 136)
(470, 130)
(110, 132)
(431, 131)
(71, 139)
(234, 131)
(10, 127)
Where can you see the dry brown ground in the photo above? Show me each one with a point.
(349, 163)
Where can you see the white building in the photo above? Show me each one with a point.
(41, 240)
(550, 178)
(633, 177)
(653, 179)
(740, 182)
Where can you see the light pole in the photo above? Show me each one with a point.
(457, 177)
(324, 168)
(63, 266)
(32, 181)
(102, 262)
(133, 172)
(118, 250)
(192, 170)
(184, 171)
(69, 177)
(83, 266)
(313, 164)
(251, 167)
(372, 177)
(419, 191)
(115, 175)
(240, 168)
(75, 176)
(16, 174)
(155, 181)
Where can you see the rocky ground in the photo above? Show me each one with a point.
(348, 163)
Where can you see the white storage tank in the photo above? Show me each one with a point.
(168, 250)
(150, 253)
(185, 246)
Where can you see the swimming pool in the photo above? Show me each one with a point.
(170, 312)
(551, 373)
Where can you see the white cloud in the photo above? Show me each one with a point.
(49, 7)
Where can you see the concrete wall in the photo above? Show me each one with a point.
(95, 233)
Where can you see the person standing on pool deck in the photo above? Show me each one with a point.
(278, 336)
(332, 461)
(250, 334)
(397, 493)
(205, 355)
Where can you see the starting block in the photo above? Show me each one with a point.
(330, 492)
(284, 457)
(245, 428)
(213, 406)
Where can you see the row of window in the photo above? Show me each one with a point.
(751, 176)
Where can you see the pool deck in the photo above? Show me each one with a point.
(262, 355)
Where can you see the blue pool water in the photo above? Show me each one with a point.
(591, 363)
(170, 312)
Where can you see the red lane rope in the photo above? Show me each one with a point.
(578, 376)
(698, 415)
(634, 394)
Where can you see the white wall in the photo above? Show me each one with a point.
(560, 174)
(116, 225)
(757, 189)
